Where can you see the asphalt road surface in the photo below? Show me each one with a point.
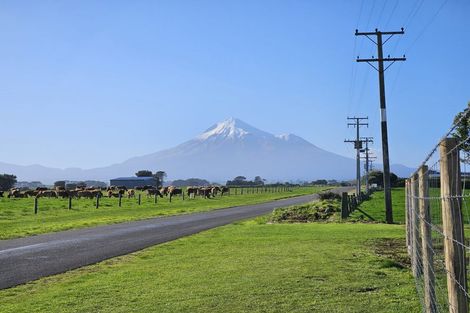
(26, 259)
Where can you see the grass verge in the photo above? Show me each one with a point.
(375, 206)
(250, 266)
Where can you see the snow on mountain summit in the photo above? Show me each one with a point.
(232, 128)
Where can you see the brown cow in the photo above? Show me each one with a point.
(131, 193)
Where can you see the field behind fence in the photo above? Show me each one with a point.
(437, 221)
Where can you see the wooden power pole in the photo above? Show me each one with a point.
(367, 158)
(358, 146)
(383, 113)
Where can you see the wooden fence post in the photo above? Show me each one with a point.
(414, 219)
(70, 203)
(407, 216)
(344, 205)
(35, 205)
(139, 198)
(452, 225)
(426, 241)
(155, 200)
(120, 199)
(97, 201)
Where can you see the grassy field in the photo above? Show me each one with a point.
(375, 206)
(246, 267)
(17, 217)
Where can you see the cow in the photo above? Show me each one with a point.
(47, 193)
(174, 191)
(224, 190)
(31, 193)
(214, 191)
(73, 193)
(131, 193)
(1, 194)
(16, 193)
(164, 190)
(192, 191)
(154, 192)
(85, 194)
(63, 194)
(112, 194)
(205, 192)
(41, 188)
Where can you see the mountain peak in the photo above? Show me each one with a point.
(230, 128)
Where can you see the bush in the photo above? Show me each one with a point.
(310, 212)
(329, 196)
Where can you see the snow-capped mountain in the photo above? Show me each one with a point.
(225, 150)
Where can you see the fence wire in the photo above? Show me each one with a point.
(428, 228)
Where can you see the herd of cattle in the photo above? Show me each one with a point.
(115, 191)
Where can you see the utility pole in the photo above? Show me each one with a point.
(383, 113)
(367, 140)
(358, 146)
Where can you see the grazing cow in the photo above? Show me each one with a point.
(131, 193)
(154, 192)
(73, 193)
(16, 193)
(63, 194)
(224, 190)
(1, 194)
(122, 187)
(85, 194)
(59, 188)
(112, 194)
(31, 193)
(47, 193)
(41, 188)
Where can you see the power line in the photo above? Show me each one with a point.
(358, 146)
(381, 70)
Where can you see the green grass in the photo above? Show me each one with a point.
(17, 217)
(375, 207)
(246, 267)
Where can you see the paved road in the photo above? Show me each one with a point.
(26, 259)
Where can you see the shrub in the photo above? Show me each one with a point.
(329, 196)
(310, 212)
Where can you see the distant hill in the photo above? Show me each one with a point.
(227, 149)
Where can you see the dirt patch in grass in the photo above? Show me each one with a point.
(393, 251)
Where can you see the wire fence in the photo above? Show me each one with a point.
(437, 218)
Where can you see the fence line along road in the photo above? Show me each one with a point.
(26, 259)
(437, 216)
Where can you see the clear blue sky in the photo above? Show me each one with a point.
(90, 83)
